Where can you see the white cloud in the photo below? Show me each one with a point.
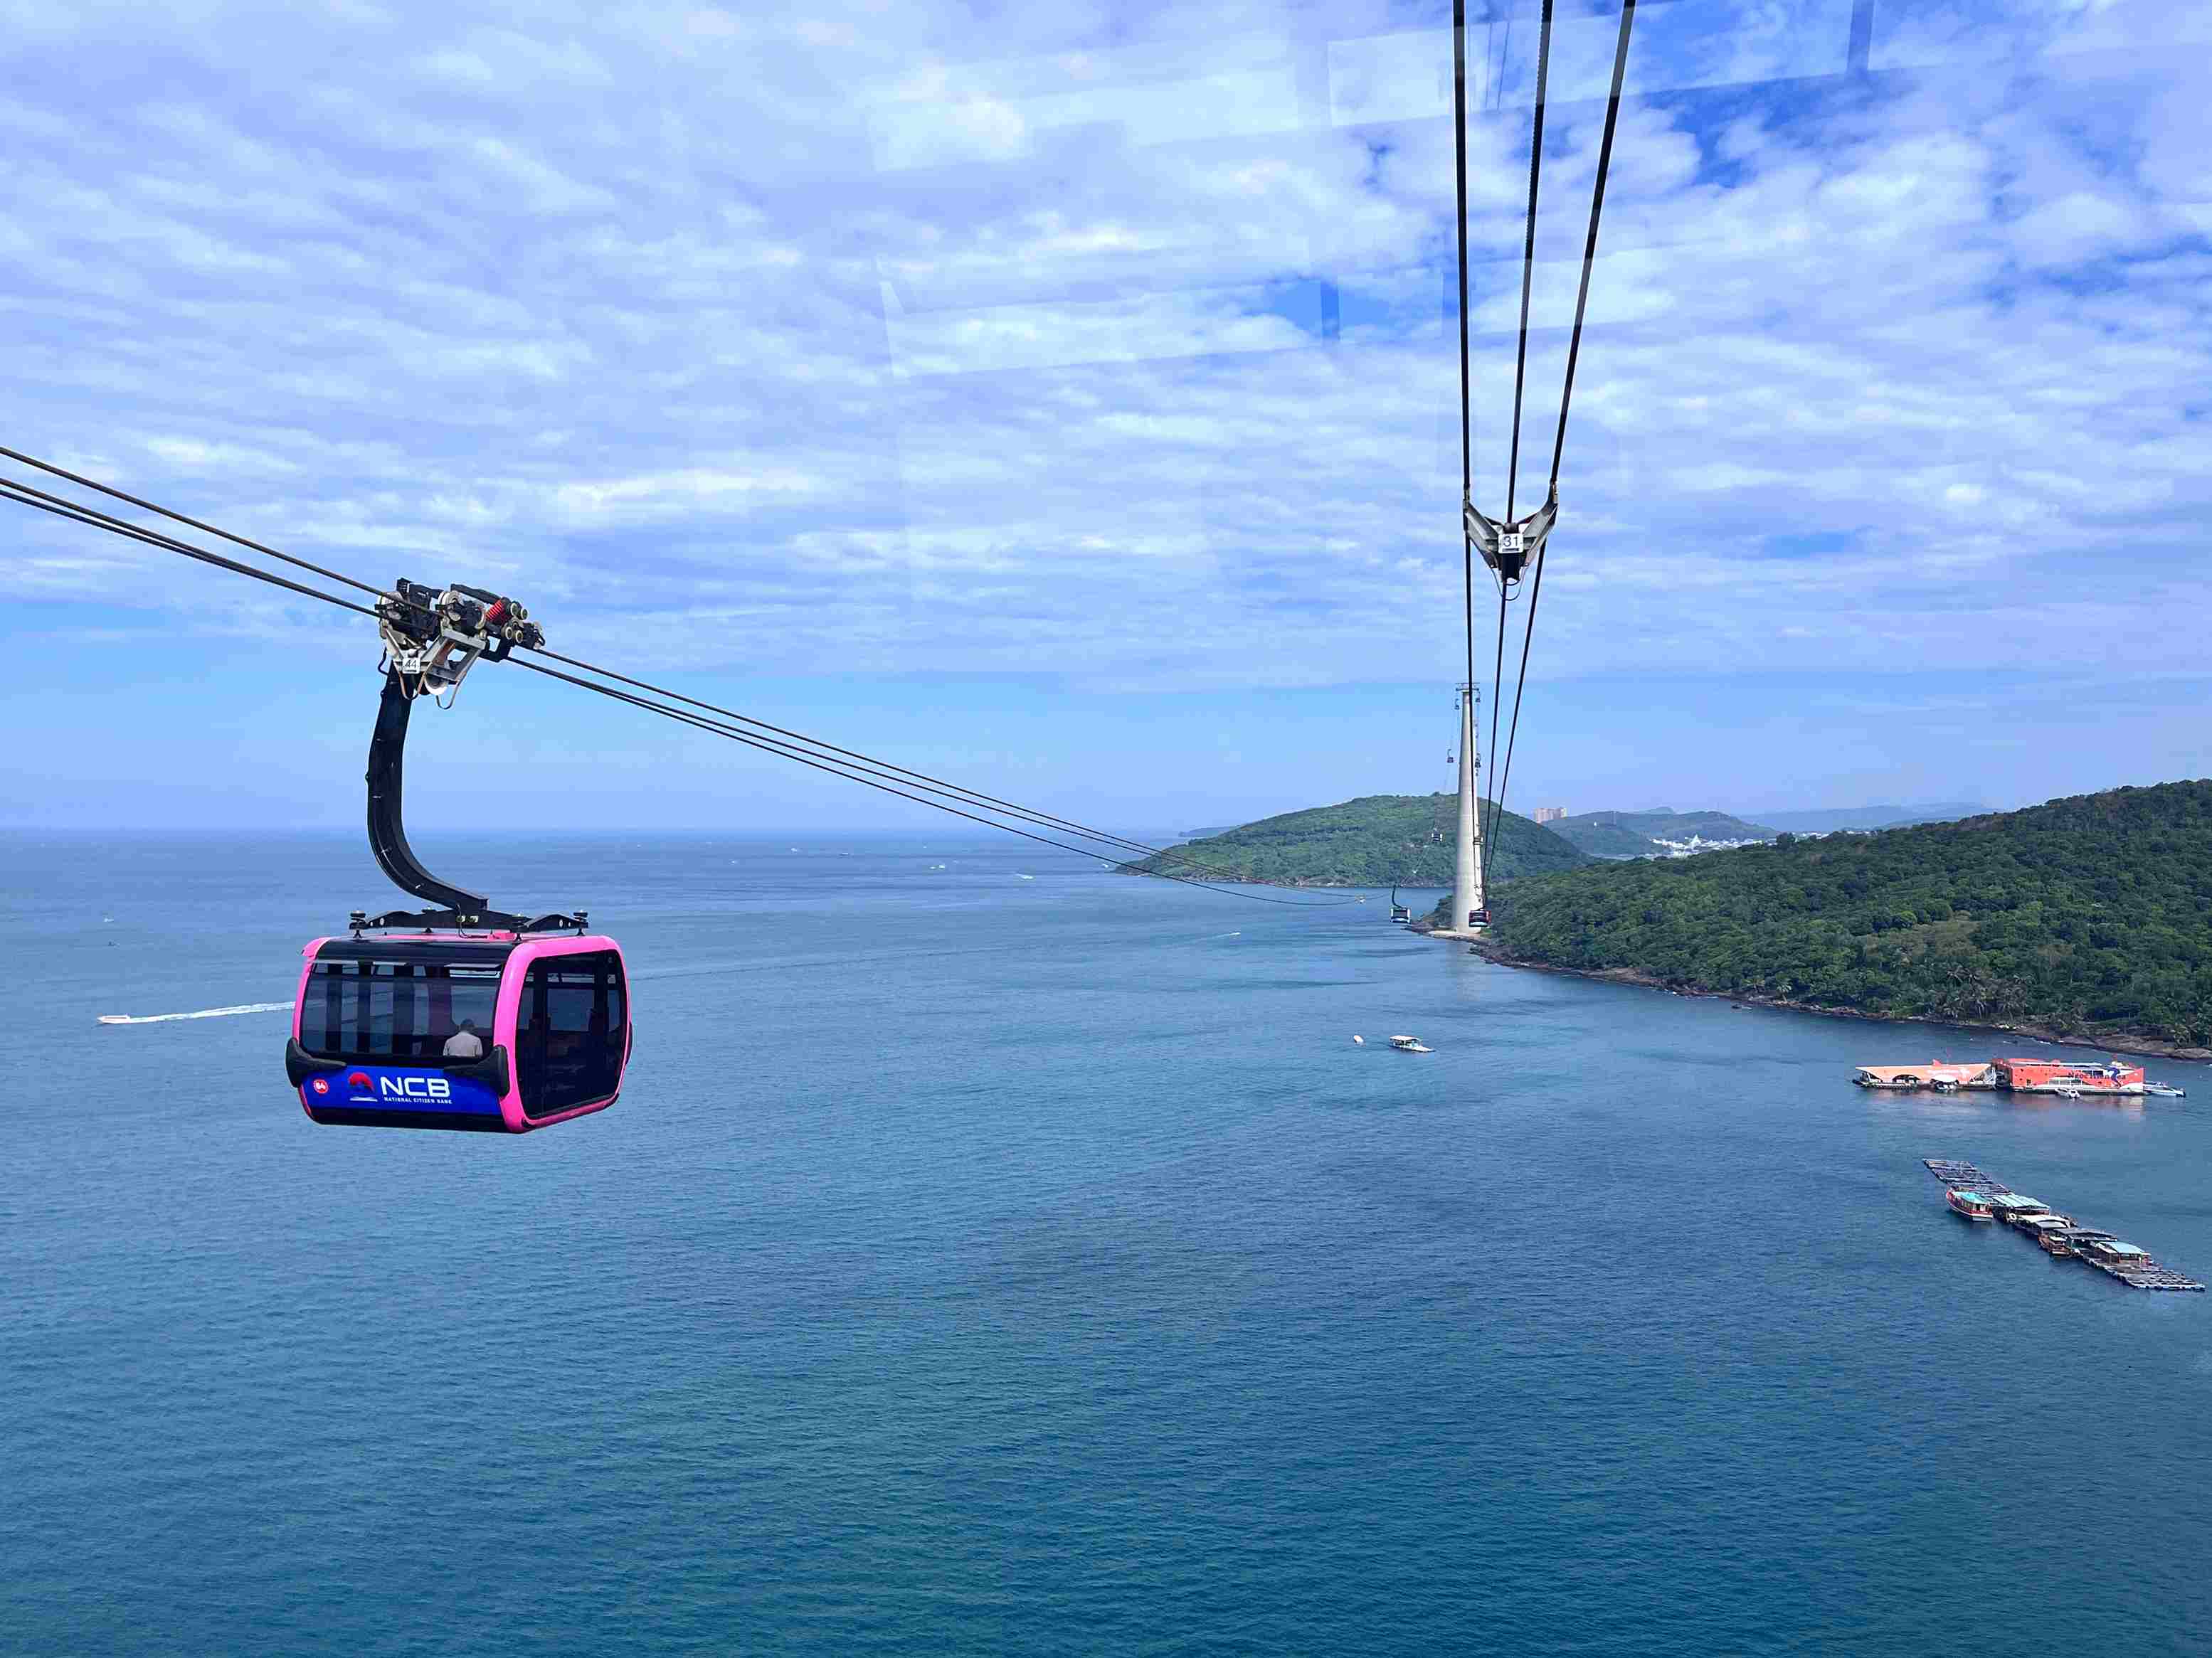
(791, 339)
(660, 494)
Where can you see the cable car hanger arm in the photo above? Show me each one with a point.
(387, 839)
(432, 638)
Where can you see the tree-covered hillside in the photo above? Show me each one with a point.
(1638, 834)
(2090, 916)
(1371, 843)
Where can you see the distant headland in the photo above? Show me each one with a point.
(1373, 841)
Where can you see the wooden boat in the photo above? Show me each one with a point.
(2069, 1241)
(2120, 1259)
(1972, 1206)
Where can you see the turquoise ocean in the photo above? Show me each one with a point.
(983, 1264)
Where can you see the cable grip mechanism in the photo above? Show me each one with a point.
(433, 636)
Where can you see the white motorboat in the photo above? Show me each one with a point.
(1411, 1044)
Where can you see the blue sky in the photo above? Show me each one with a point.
(1064, 397)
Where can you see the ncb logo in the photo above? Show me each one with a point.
(416, 1089)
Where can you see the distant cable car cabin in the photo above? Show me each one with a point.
(461, 1017)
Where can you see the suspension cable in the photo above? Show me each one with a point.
(806, 750)
(720, 729)
(1496, 697)
(975, 797)
(1589, 247)
(108, 489)
(26, 496)
(1496, 808)
(1466, 415)
(1574, 352)
(1528, 632)
(809, 750)
(1529, 251)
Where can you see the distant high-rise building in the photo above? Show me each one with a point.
(1549, 814)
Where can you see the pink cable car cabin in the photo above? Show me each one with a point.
(378, 1019)
(461, 1017)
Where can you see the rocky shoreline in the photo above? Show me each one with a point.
(2110, 1041)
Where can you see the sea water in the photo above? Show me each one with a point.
(977, 1263)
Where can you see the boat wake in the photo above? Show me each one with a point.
(204, 1013)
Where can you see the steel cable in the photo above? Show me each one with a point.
(1529, 251)
(974, 797)
(807, 750)
(77, 513)
(1589, 246)
(721, 728)
(109, 489)
(1567, 392)
(1466, 415)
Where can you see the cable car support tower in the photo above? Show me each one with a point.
(1468, 903)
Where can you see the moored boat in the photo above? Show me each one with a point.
(2071, 1240)
(1970, 1204)
(2119, 1259)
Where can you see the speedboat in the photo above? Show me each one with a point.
(1411, 1044)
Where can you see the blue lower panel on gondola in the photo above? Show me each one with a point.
(393, 1096)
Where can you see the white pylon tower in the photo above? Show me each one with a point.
(1466, 865)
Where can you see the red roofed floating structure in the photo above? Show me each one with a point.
(2065, 1077)
(2060, 1076)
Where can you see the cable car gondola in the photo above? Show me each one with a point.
(1399, 913)
(459, 1017)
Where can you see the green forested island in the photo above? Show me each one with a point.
(1369, 843)
(2087, 918)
